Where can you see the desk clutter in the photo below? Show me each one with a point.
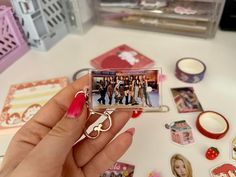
(25, 99)
(210, 124)
(42, 24)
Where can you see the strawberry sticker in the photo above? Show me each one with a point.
(212, 153)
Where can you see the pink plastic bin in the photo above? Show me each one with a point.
(12, 43)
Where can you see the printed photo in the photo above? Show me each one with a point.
(186, 100)
(125, 89)
(180, 166)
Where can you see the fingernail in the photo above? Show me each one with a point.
(131, 131)
(136, 113)
(76, 107)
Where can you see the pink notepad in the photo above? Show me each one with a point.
(24, 100)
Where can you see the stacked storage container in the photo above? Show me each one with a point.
(12, 43)
(43, 21)
(80, 15)
(199, 18)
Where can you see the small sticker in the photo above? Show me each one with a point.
(180, 166)
(119, 169)
(181, 132)
(225, 170)
(154, 174)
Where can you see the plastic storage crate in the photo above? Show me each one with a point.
(12, 43)
(43, 21)
(199, 18)
(80, 15)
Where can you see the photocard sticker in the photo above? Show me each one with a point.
(181, 166)
(119, 169)
(124, 57)
(225, 170)
(186, 100)
(125, 89)
(180, 132)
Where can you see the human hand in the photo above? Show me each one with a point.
(46, 145)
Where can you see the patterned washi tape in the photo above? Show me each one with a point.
(190, 70)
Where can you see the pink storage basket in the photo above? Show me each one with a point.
(12, 43)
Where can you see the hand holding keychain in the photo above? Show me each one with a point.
(109, 90)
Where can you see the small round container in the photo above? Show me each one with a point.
(190, 70)
(212, 124)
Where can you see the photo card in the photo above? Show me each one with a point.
(113, 89)
(186, 100)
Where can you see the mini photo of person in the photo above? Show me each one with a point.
(180, 166)
(186, 100)
(125, 89)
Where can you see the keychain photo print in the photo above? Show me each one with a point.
(109, 90)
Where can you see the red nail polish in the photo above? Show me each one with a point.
(136, 114)
(131, 131)
(76, 107)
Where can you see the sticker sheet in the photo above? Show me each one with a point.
(24, 100)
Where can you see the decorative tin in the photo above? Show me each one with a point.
(190, 70)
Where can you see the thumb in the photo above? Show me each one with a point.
(59, 141)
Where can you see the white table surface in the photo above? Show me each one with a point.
(152, 147)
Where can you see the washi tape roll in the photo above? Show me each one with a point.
(212, 124)
(190, 70)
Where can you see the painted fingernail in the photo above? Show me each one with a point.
(76, 107)
(131, 131)
(136, 113)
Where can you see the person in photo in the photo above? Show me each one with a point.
(180, 166)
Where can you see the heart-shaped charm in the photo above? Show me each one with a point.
(99, 128)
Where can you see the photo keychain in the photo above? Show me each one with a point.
(128, 89)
